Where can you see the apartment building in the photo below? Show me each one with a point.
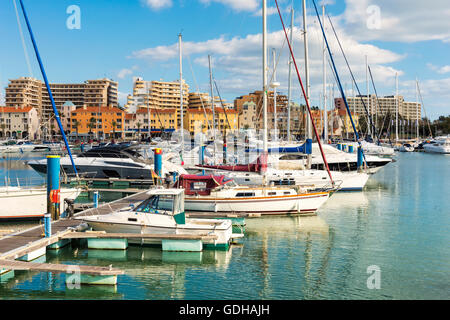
(381, 106)
(19, 122)
(100, 121)
(27, 91)
(158, 94)
(200, 120)
(138, 121)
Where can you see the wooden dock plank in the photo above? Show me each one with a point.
(58, 268)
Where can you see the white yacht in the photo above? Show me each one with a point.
(162, 213)
(406, 147)
(371, 148)
(311, 179)
(116, 161)
(439, 145)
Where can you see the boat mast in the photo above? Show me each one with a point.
(212, 107)
(289, 81)
(274, 86)
(417, 111)
(308, 120)
(368, 96)
(181, 96)
(396, 107)
(325, 116)
(264, 67)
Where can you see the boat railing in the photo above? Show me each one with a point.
(22, 182)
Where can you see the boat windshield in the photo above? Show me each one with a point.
(162, 204)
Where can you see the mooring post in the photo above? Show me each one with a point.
(359, 162)
(47, 225)
(202, 156)
(95, 199)
(224, 151)
(158, 161)
(53, 188)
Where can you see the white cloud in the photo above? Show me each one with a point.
(237, 5)
(440, 70)
(270, 11)
(400, 20)
(157, 4)
(239, 60)
(126, 72)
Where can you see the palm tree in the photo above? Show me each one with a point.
(3, 126)
(139, 130)
(114, 125)
(91, 124)
(75, 125)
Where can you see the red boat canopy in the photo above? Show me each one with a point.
(200, 185)
(260, 165)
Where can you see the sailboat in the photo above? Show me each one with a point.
(217, 194)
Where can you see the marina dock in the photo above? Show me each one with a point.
(18, 249)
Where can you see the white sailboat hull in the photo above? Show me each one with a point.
(308, 203)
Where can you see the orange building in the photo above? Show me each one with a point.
(102, 121)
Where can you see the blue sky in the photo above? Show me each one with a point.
(120, 39)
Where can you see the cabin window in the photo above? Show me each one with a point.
(272, 193)
(286, 192)
(132, 219)
(245, 194)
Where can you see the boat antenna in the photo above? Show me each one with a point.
(44, 75)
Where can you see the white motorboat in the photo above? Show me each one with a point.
(406, 147)
(371, 148)
(25, 147)
(439, 145)
(119, 161)
(215, 194)
(162, 213)
(29, 203)
(311, 179)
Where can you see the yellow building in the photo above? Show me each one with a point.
(138, 121)
(200, 120)
(102, 120)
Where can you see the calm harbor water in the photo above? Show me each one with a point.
(400, 224)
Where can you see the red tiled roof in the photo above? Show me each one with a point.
(15, 109)
(96, 109)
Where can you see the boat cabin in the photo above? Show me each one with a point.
(200, 185)
(163, 201)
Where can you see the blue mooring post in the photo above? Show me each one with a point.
(53, 201)
(350, 149)
(158, 161)
(201, 150)
(47, 225)
(339, 146)
(95, 199)
(359, 162)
